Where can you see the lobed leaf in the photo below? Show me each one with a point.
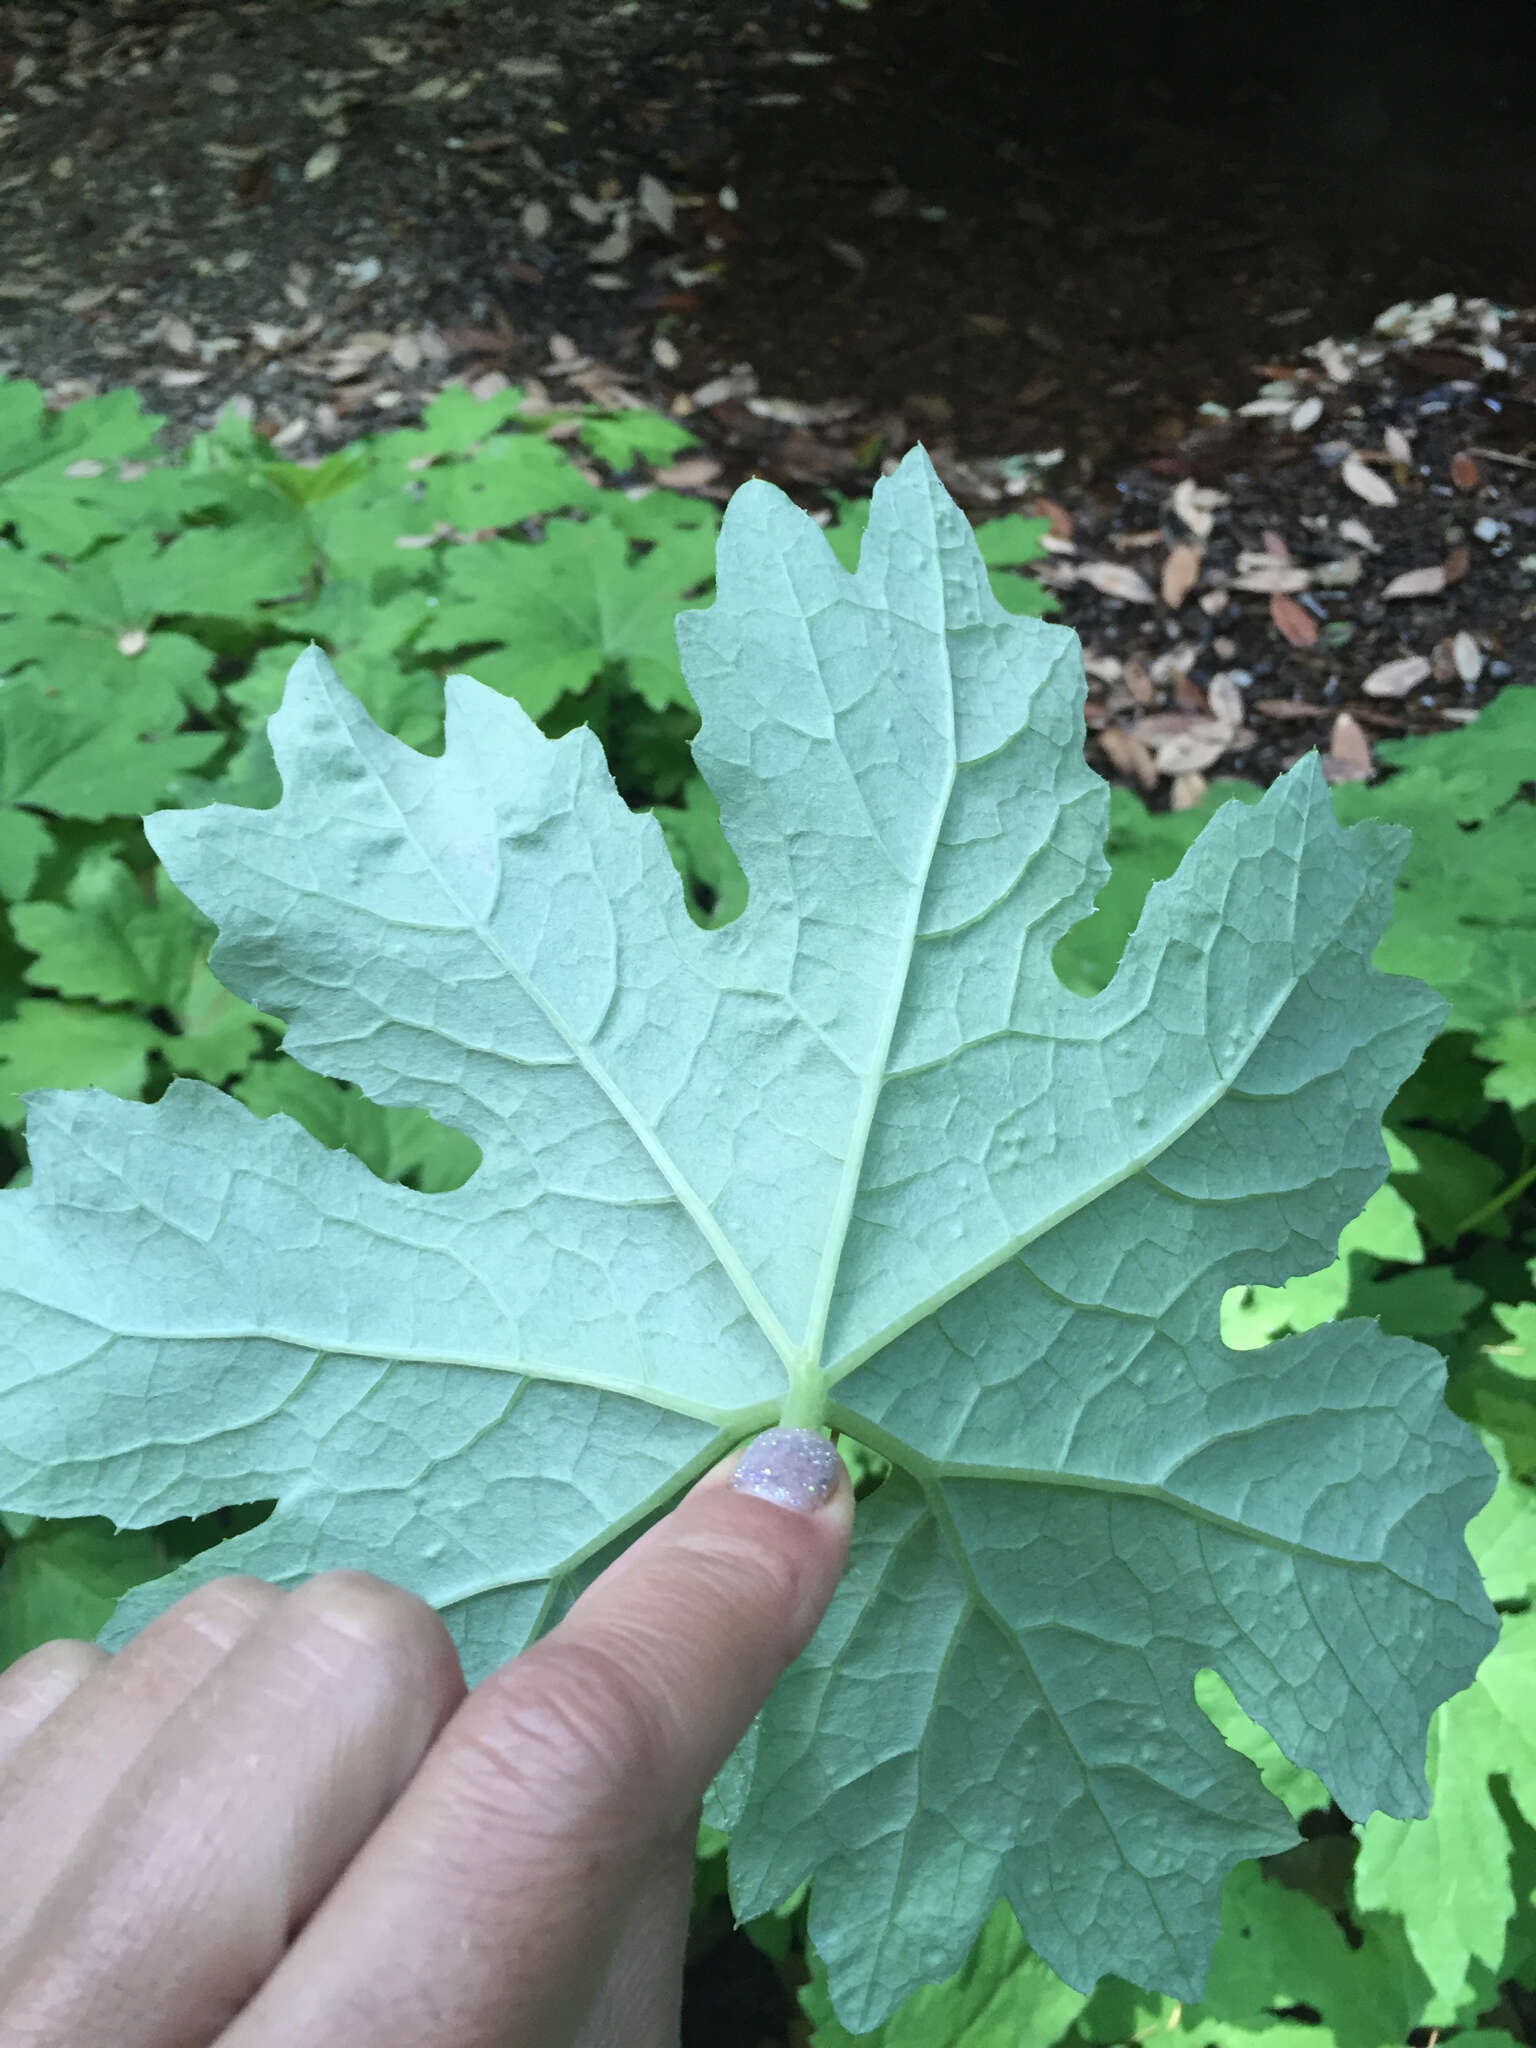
(857, 1156)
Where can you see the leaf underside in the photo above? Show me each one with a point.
(856, 1157)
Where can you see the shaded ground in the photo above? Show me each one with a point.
(820, 235)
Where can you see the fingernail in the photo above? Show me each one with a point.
(794, 1468)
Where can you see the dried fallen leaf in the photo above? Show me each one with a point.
(1397, 444)
(1357, 533)
(1287, 707)
(1188, 790)
(1468, 656)
(1181, 571)
(1226, 700)
(1277, 545)
(1307, 414)
(1130, 755)
(690, 474)
(1138, 681)
(1292, 620)
(1115, 579)
(1348, 758)
(1267, 575)
(1457, 563)
(1058, 515)
(535, 220)
(322, 163)
(1465, 474)
(656, 202)
(1397, 678)
(1185, 753)
(1418, 582)
(1142, 537)
(1364, 481)
(1196, 506)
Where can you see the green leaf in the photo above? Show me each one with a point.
(509, 479)
(1280, 1949)
(857, 1158)
(1503, 1537)
(1449, 1181)
(1010, 542)
(48, 1044)
(1511, 1049)
(565, 609)
(1465, 916)
(52, 511)
(114, 938)
(64, 1578)
(702, 855)
(24, 845)
(1448, 1876)
(1299, 1792)
(89, 751)
(218, 1035)
(631, 437)
(1002, 1997)
(395, 1144)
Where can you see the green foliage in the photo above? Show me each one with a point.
(227, 562)
(1016, 1213)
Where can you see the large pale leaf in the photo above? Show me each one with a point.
(857, 1156)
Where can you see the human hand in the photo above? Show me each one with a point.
(279, 1819)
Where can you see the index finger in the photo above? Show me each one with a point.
(485, 1907)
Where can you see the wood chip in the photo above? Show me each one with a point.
(1457, 563)
(1116, 579)
(322, 163)
(1292, 620)
(1181, 571)
(1465, 474)
(134, 641)
(1397, 678)
(1277, 545)
(1188, 790)
(1397, 444)
(1358, 534)
(1359, 477)
(1427, 582)
(1348, 758)
(1130, 755)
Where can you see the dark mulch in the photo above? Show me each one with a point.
(1062, 252)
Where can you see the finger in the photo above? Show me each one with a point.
(543, 1805)
(237, 1819)
(53, 1784)
(637, 1998)
(32, 1687)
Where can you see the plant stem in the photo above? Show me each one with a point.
(1502, 1200)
